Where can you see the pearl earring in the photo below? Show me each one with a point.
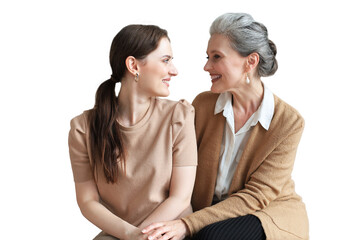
(247, 79)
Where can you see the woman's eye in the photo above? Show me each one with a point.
(167, 60)
(216, 56)
(213, 57)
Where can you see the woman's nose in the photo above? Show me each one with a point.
(173, 71)
(207, 66)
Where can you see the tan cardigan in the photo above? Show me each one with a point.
(262, 183)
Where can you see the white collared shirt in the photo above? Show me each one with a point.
(233, 144)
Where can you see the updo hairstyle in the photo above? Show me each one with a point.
(248, 36)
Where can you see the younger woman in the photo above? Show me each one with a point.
(134, 155)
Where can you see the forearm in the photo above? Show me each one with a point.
(170, 209)
(182, 183)
(100, 216)
(226, 209)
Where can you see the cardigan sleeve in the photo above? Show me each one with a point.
(264, 185)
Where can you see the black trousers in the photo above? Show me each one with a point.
(245, 227)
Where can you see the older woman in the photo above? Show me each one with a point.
(247, 139)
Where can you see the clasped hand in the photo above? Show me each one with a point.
(175, 230)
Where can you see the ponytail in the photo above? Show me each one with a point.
(105, 136)
(107, 149)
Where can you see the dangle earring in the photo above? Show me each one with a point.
(247, 79)
(136, 77)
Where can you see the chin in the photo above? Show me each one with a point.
(163, 94)
(215, 90)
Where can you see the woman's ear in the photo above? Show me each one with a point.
(132, 65)
(252, 61)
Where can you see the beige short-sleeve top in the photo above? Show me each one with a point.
(164, 138)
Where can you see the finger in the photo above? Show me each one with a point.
(152, 226)
(166, 236)
(158, 232)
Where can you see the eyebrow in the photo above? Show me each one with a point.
(167, 56)
(212, 51)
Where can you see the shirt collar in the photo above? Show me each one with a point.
(264, 114)
(223, 103)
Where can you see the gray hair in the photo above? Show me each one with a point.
(248, 36)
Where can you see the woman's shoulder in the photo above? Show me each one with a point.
(207, 97)
(204, 103)
(286, 113)
(171, 105)
(178, 110)
(79, 122)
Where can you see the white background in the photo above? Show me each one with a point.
(54, 54)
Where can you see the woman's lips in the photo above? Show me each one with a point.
(166, 81)
(215, 77)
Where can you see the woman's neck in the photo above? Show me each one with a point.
(246, 101)
(132, 105)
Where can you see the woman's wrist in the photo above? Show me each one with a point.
(131, 232)
(187, 230)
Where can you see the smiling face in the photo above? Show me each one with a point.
(156, 71)
(225, 65)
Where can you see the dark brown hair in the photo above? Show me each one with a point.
(107, 149)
